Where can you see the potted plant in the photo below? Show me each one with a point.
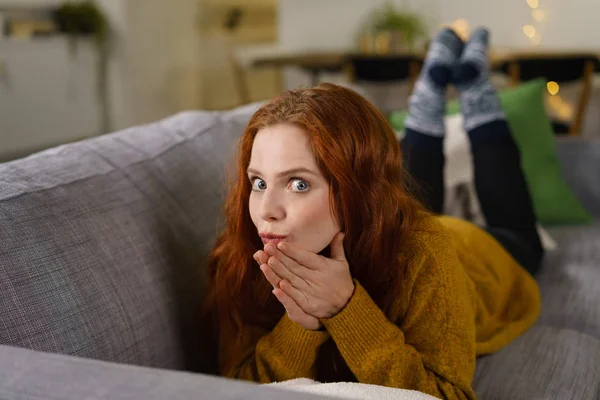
(394, 30)
(85, 20)
(82, 19)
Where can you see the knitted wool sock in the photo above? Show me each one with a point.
(427, 103)
(479, 100)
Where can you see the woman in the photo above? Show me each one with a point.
(330, 269)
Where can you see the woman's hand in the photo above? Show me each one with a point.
(320, 286)
(294, 312)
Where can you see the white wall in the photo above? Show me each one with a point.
(322, 24)
(154, 72)
(568, 24)
(47, 95)
(160, 58)
(332, 24)
(28, 3)
(155, 67)
(119, 109)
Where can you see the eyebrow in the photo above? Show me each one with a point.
(284, 173)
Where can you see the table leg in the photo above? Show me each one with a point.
(314, 74)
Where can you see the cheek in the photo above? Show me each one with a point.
(253, 208)
(316, 213)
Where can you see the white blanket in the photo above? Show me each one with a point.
(348, 390)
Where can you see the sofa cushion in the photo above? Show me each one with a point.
(570, 280)
(103, 241)
(544, 363)
(25, 374)
(580, 161)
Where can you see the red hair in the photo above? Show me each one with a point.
(359, 155)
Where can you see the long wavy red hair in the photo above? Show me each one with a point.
(359, 155)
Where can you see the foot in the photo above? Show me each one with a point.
(427, 103)
(471, 75)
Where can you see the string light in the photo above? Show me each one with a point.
(538, 15)
(563, 109)
(529, 31)
(553, 87)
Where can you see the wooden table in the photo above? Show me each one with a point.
(317, 62)
(512, 62)
(313, 62)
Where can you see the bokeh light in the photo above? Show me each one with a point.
(529, 31)
(538, 15)
(553, 88)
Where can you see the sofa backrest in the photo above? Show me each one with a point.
(580, 162)
(103, 242)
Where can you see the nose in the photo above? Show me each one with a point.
(271, 206)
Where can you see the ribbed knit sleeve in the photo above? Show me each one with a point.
(429, 349)
(287, 352)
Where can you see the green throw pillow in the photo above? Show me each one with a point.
(553, 200)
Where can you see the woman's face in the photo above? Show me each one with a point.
(290, 196)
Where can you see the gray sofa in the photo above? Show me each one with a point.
(102, 244)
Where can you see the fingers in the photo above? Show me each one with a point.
(295, 313)
(274, 270)
(288, 263)
(298, 255)
(290, 306)
(280, 269)
(271, 276)
(271, 250)
(298, 296)
(261, 257)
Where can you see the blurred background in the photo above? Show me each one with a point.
(72, 70)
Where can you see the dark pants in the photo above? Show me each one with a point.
(501, 187)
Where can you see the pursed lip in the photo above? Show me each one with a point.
(269, 238)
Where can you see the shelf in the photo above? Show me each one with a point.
(37, 40)
(29, 4)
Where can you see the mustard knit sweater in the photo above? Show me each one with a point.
(462, 295)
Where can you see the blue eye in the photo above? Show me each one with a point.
(262, 185)
(300, 185)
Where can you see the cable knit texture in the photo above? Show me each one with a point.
(462, 295)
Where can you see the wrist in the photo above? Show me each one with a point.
(349, 293)
(319, 328)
